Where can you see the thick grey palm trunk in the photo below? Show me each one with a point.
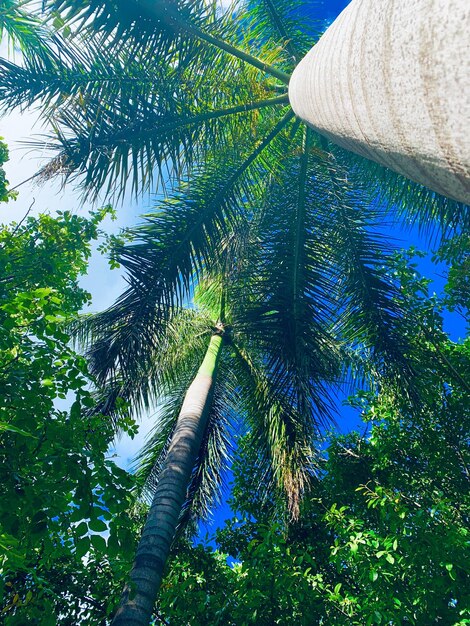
(139, 596)
(390, 80)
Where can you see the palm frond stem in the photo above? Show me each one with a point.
(175, 20)
(282, 31)
(195, 119)
(26, 180)
(240, 54)
(241, 108)
(300, 229)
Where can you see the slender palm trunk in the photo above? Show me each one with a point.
(140, 594)
(390, 81)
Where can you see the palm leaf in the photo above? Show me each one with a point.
(136, 142)
(289, 306)
(23, 29)
(283, 436)
(79, 74)
(284, 24)
(124, 118)
(371, 309)
(169, 251)
(128, 24)
(405, 201)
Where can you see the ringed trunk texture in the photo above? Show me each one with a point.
(390, 80)
(139, 596)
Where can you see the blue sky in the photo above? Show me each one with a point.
(329, 9)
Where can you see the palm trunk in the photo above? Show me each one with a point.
(389, 80)
(139, 596)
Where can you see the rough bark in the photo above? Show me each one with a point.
(390, 80)
(139, 596)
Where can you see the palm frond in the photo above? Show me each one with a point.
(79, 75)
(160, 26)
(139, 139)
(284, 24)
(168, 252)
(405, 201)
(282, 434)
(119, 116)
(289, 302)
(124, 117)
(164, 361)
(371, 309)
(22, 29)
(121, 23)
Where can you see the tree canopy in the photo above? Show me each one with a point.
(60, 490)
(272, 237)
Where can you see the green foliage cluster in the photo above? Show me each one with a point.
(5, 194)
(383, 538)
(383, 535)
(61, 495)
(455, 253)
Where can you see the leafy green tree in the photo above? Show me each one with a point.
(366, 551)
(5, 194)
(60, 491)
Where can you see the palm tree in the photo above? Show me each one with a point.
(141, 355)
(182, 461)
(386, 81)
(301, 276)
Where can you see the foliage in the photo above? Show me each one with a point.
(60, 491)
(455, 253)
(196, 96)
(383, 539)
(138, 90)
(383, 535)
(202, 577)
(20, 28)
(5, 194)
